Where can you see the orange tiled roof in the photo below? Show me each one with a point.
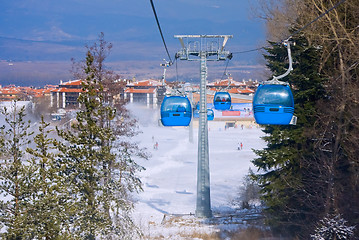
(247, 90)
(42, 91)
(237, 90)
(67, 90)
(72, 83)
(131, 90)
(38, 92)
(233, 90)
(48, 90)
(11, 90)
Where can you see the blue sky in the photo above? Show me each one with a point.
(46, 30)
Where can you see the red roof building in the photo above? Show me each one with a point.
(226, 83)
(11, 92)
(240, 91)
(149, 92)
(66, 95)
(233, 87)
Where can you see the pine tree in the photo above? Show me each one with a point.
(48, 189)
(327, 160)
(83, 160)
(98, 160)
(288, 147)
(14, 174)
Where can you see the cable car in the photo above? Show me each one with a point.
(210, 114)
(273, 104)
(176, 111)
(197, 105)
(222, 101)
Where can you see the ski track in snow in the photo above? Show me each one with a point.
(170, 178)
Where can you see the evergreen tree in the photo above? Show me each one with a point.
(83, 160)
(289, 147)
(98, 161)
(48, 191)
(329, 170)
(14, 174)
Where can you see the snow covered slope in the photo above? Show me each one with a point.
(170, 177)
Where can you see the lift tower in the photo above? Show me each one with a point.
(203, 48)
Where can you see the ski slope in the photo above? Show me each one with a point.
(170, 178)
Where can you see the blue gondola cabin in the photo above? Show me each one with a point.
(210, 114)
(176, 111)
(273, 104)
(222, 101)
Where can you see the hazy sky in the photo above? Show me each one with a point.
(46, 30)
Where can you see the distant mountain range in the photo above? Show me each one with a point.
(39, 38)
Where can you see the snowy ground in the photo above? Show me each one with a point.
(164, 210)
(170, 178)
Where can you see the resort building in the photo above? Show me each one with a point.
(65, 96)
(149, 92)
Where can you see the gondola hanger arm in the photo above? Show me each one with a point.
(275, 79)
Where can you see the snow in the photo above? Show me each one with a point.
(170, 178)
(166, 207)
(333, 227)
